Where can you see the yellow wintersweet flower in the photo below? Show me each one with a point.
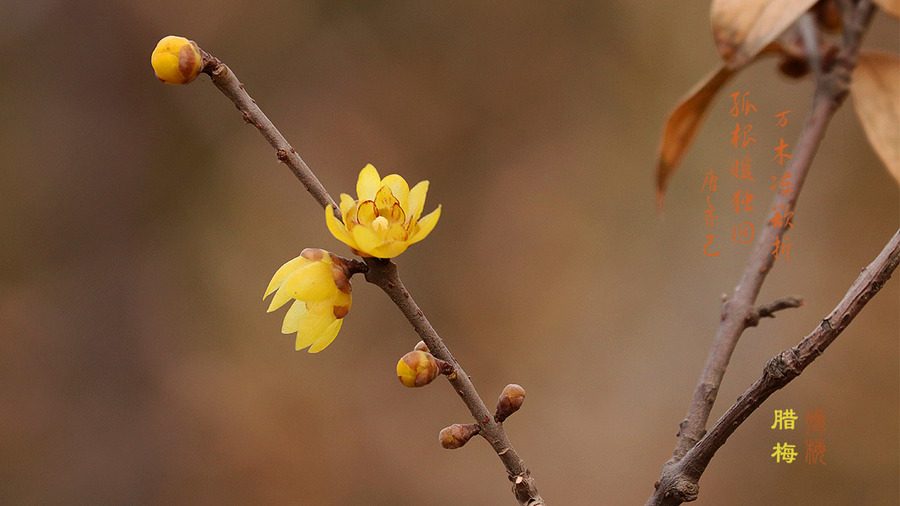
(176, 60)
(384, 221)
(319, 285)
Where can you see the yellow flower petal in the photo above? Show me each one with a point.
(368, 183)
(417, 200)
(425, 226)
(397, 232)
(311, 282)
(327, 337)
(366, 212)
(395, 214)
(390, 249)
(398, 187)
(385, 200)
(281, 297)
(282, 273)
(366, 240)
(293, 317)
(337, 228)
(347, 205)
(343, 299)
(314, 323)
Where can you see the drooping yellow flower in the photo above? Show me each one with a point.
(319, 285)
(176, 60)
(384, 220)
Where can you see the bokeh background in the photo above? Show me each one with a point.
(140, 224)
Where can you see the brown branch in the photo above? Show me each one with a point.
(680, 481)
(383, 274)
(739, 309)
(768, 310)
(739, 312)
(231, 87)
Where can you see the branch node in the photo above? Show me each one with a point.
(768, 310)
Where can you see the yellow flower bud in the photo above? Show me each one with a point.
(456, 435)
(176, 60)
(417, 369)
(510, 401)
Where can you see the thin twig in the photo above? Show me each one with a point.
(739, 309)
(231, 87)
(809, 34)
(383, 274)
(738, 312)
(780, 370)
(768, 310)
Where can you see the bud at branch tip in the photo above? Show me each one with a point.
(176, 60)
(510, 401)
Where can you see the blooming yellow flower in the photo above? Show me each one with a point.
(384, 221)
(319, 285)
(176, 60)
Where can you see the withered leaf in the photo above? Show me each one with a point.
(683, 123)
(876, 93)
(891, 7)
(742, 28)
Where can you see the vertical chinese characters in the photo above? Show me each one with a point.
(781, 216)
(784, 420)
(741, 166)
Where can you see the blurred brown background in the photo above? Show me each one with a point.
(141, 222)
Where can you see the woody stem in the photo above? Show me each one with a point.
(384, 275)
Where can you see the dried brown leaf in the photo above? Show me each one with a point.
(742, 28)
(891, 7)
(683, 123)
(876, 93)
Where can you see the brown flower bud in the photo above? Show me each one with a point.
(510, 401)
(421, 346)
(417, 369)
(457, 435)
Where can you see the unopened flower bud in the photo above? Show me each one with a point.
(176, 60)
(456, 435)
(417, 369)
(421, 346)
(510, 401)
